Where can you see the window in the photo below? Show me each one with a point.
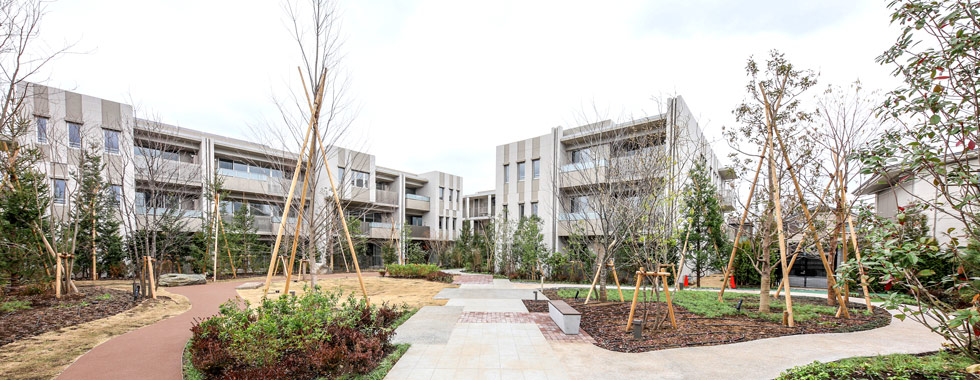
(410, 190)
(580, 204)
(581, 156)
(458, 198)
(534, 208)
(520, 170)
(442, 191)
(440, 222)
(111, 141)
(361, 179)
(505, 212)
(59, 191)
(74, 135)
(415, 220)
(154, 153)
(536, 168)
(520, 210)
(506, 173)
(340, 176)
(454, 224)
(116, 195)
(258, 209)
(42, 130)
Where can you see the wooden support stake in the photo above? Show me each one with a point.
(670, 304)
(149, 266)
(810, 223)
(778, 215)
(677, 278)
(636, 293)
(615, 278)
(594, 281)
(315, 108)
(57, 277)
(857, 255)
(299, 218)
(745, 215)
(224, 235)
(292, 188)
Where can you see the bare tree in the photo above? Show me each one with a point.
(622, 182)
(22, 57)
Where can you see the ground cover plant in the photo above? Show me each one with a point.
(702, 320)
(28, 313)
(937, 365)
(317, 334)
(411, 270)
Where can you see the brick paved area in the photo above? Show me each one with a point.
(473, 279)
(548, 328)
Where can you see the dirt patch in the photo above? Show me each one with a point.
(395, 291)
(46, 355)
(606, 323)
(47, 313)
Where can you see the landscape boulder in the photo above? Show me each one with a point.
(177, 279)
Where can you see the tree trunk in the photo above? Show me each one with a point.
(764, 293)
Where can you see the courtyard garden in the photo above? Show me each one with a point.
(702, 320)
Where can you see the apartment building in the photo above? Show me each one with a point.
(897, 189)
(554, 176)
(158, 169)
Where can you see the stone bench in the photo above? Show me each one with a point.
(566, 317)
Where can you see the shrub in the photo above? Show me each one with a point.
(439, 276)
(411, 270)
(314, 335)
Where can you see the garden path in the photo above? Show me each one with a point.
(155, 352)
(493, 339)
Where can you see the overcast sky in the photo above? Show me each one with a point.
(437, 85)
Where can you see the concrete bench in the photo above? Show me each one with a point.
(566, 317)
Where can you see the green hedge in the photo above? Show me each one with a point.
(411, 270)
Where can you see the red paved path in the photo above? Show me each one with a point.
(154, 351)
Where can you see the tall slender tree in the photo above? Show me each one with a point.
(705, 238)
(94, 207)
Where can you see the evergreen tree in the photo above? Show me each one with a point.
(95, 207)
(243, 238)
(528, 245)
(24, 198)
(703, 213)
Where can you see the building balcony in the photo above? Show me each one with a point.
(416, 202)
(478, 212)
(419, 232)
(386, 197)
(583, 174)
(379, 230)
(182, 173)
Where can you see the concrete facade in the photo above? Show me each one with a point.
(540, 175)
(145, 156)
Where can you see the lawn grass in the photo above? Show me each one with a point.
(706, 303)
(940, 365)
(12, 306)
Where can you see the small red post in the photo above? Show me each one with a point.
(733, 282)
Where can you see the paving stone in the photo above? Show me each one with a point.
(431, 324)
(468, 293)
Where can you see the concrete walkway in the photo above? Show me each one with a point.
(516, 348)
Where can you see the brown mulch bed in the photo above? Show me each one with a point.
(606, 322)
(48, 313)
